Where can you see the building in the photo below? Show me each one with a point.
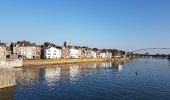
(82, 52)
(118, 54)
(115, 53)
(66, 44)
(98, 53)
(91, 54)
(103, 55)
(26, 50)
(65, 52)
(2, 52)
(74, 53)
(52, 53)
(108, 54)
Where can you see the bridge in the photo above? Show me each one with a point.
(150, 49)
(152, 55)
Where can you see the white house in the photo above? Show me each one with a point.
(91, 54)
(74, 53)
(103, 55)
(108, 55)
(52, 53)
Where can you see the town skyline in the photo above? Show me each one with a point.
(153, 51)
(125, 25)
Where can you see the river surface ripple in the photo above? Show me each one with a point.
(139, 79)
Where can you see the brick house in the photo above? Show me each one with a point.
(65, 52)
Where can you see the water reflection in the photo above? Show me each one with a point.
(169, 62)
(51, 75)
(74, 71)
(7, 93)
(88, 81)
(120, 67)
(93, 65)
(27, 77)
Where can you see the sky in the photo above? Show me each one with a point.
(122, 24)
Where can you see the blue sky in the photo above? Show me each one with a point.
(121, 24)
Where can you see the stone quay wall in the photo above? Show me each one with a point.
(7, 78)
(10, 63)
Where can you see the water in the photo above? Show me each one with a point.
(94, 81)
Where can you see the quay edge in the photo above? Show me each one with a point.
(10, 63)
(67, 61)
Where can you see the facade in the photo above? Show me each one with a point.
(74, 53)
(91, 54)
(52, 53)
(82, 52)
(65, 52)
(8, 52)
(103, 55)
(2, 52)
(108, 55)
(26, 50)
(98, 52)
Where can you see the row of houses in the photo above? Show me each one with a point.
(66, 52)
(27, 50)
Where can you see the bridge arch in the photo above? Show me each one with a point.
(135, 51)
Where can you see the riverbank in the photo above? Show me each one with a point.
(41, 62)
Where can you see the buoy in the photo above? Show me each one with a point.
(136, 73)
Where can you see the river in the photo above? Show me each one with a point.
(139, 79)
